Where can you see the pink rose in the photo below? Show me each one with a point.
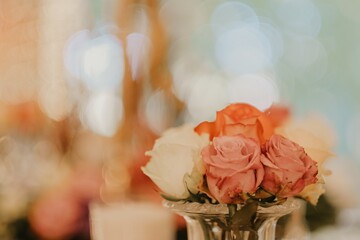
(233, 168)
(288, 169)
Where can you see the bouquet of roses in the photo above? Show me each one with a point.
(242, 157)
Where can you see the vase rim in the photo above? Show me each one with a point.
(183, 207)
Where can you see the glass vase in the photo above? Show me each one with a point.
(215, 222)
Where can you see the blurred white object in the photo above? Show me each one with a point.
(103, 63)
(137, 49)
(243, 50)
(131, 221)
(296, 227)
(103, 113)
(258, 90)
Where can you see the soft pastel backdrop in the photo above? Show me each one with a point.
(86, 87)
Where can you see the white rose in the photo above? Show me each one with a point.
(175, 165)
(183, 135)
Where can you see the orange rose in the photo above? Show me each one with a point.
(239, 118)
(278, 114)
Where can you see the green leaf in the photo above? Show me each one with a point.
(199, 197)
(245, 215)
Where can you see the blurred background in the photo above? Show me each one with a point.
(87, 85)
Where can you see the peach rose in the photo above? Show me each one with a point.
(318, 138)
(288, 169)
(239, 118)
(233, 168)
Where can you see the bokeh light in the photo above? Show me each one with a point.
(103, 113)
(137, 50)
(300, 17)
(232, 15)
(244, 43)
(73, 52)
(306, 55)
(243, 50)
(208, 95)
(275, 38)
(259, 90)
(159, 113)
(186, 71)
(103, 63)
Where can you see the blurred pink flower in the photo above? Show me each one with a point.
(63, 211)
